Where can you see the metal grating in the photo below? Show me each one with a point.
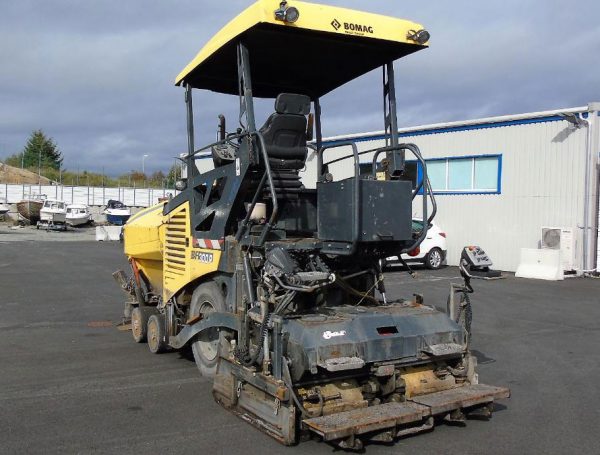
(175, 246)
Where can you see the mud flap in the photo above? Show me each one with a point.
(398, 419)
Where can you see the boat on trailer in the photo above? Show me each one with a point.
(117, 213)
(53, 215)
(29, 208)
(78, 214)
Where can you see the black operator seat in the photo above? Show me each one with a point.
(285, 138)
(285, 132)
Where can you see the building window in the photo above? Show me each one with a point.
(437, 174)
(486, 173)
(460, 175)
(468, 174)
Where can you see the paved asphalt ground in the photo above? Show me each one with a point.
(70, 382)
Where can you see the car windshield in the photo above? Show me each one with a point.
(417, 225)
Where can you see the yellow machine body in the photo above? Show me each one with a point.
(164, 252)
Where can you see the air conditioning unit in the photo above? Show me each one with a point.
(565, 240)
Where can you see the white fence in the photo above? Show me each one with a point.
(89, 195)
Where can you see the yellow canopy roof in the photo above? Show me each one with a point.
(325, 48)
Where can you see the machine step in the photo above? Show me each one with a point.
(390, 416)
(366, 420)
(461, 397)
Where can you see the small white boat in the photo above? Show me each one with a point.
(4, 207)
(78, 214)
(53, 215)
(117, 213)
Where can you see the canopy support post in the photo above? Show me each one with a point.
(245, 89)
(190, 160)
(319, 139)
(395, 158)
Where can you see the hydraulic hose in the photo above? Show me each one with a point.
(287, 379)
(243, 353)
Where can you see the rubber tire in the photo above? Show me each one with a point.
(428, 259)
(206, 350)
(139, 325)
(157, 342)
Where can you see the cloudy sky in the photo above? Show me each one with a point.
(97, 76)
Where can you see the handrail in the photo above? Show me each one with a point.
(269, 225)
(242, 229)
(346, 156)
(427, 191)
(374, 163)
(224, 141)
(388, 148)
(424, 184)
(356, 223)
(267, 176)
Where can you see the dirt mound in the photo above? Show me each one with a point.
(10, 174)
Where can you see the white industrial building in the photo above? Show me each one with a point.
(498, 181)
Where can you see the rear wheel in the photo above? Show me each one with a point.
(157, 341)
(206, 299)
(138, 325)
(434, 259)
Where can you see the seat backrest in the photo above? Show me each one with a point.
(285, 130)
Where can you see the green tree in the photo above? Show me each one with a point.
(157, 179)
(42, 151)
(14, 160)
(173, 174)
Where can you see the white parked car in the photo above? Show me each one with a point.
(432, 250)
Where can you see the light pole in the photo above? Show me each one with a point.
(40, 164)
(144, 165)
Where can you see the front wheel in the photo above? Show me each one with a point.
(434, 259)
(208, 298)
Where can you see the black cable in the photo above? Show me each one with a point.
(287, 379)
(410, 271)
(349, 289)
(243, 354)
